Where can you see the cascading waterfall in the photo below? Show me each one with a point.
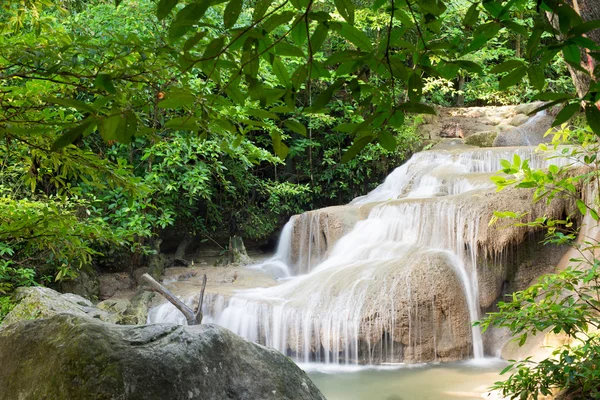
(400, 286)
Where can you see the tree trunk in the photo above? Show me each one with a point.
(589, 10)
(460, 97)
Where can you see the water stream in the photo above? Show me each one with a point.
(389, 278)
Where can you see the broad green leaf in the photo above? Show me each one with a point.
(346, 127)
(72, 103)
(493, 7)
(415, 86)
(165, 7)
(280, 148)
(287, 50)
(356, 37)
(295, 126)
(191, 42)
(182, 124)
(189, 16)
(572, 54)
(515, 27)
(177, 99)
(584, 28)
(549, 96)
(345, 55)
(276, 20)
(592, 115)
(127, 128)
(260, 113)
(104, 81)
(582, 207)
(346, 9)
(299, 33)
(280, 70)
(513, 78)
(318, 37)
(472, 15)
(107, 126)
(356, 147)
(214, 48)
(232, 12)
(260, 9)
(470, 66)
(536, 77)
(417, 108)
(72, 134)
(506, 66)
(387, 140)
(565, 114)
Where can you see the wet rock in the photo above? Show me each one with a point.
(73, 357)
(86, 284)
(519, 119)
(132, 311)
(482, 139)
(110, 284)
(41, 302)
(530, 133)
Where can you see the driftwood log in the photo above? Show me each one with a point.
(193, 317)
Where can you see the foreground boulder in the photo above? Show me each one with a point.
(72, 357)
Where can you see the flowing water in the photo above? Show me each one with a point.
(389, 278)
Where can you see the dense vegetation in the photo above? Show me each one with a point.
(120, 122)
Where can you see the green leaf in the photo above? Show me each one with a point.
(104, 81)
(565, 114)
(582, 207)
(287, 50)
(191, 42)
(572, 54)
(72, 134)
(506, 66)
(182, 124)
(127, 127)
(515, 27)
(387, 140)
(318, 37)
(232, 12)
(346, 9)
(165, 7)
(417, 108)
(214, 48)
(493, 7)
(280, 148)
(280, 71)
(260, 113)
(513, 78)
(584, 28)
(108, 126)
(592, 115)
(71, 103)
(536, 77)
(189, 16)
(470, 66)
(177, 99)
(346, 55)
(299, 34)
(260, 9)
(295, 126)
(277, 19)
(549, 96)
(356, 147)
(472, 15)
(356, 37)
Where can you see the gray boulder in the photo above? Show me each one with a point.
(41, 302)
(72, 357)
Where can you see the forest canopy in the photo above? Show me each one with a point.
(120, 121)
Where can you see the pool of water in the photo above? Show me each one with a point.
(451, 381)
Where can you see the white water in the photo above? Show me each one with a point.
(374, 296)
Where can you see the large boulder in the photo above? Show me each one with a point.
(73, 357)
(41, 302)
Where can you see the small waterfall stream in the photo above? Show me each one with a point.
(389, 278)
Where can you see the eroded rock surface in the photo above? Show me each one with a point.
(75, 357)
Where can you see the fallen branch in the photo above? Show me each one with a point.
(192, 317)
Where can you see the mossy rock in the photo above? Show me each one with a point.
(42, 302)
(80, 358)
(482, 139)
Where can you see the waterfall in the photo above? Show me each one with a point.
(397, 284)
